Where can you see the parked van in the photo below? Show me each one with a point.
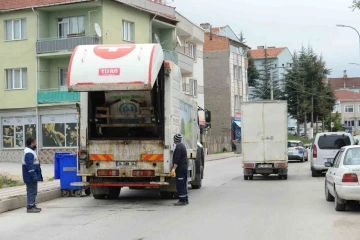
(325, 147)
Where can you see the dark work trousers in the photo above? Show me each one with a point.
(181, 182)
(31, 193)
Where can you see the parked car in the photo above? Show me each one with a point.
(325, 147)
(297, 151)
(342, 177)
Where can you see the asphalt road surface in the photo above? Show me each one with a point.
(227, 207)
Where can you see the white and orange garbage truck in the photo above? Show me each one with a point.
(132, 104)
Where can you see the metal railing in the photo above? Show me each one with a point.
(52, 45)
(57, 96)
(171, 56)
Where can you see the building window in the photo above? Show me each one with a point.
(71, 25)
(15, 29)
(349, 108)
(16, 78)
(236, 73)
(16, 130)
(59, 131)
(240, 72)
(193, 87)
(192, 50)
(128, 31)
(62, 76)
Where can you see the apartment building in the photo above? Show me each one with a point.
(225, 67)
(38, 42)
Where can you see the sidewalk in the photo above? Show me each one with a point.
(219, 156)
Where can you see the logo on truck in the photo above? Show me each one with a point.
(114, 51)
(128, 108)
(109, 71)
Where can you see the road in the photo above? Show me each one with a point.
(227, 207)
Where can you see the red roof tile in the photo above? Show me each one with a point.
(337, 83)
(346, 95)
(7, 5)
(271, 52)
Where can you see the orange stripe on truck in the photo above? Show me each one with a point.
(101, 157)
(152, 157)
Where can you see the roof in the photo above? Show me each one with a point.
(12, 5)
(337, 83)
(346, 95)
(271, 52)
(216, 30)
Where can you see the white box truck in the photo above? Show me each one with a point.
(132, 104)
(264, 138)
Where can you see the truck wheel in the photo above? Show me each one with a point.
(99, 196)
(166, 195)
(87, 191)
(285, 177)
(246, 177)
(196, 184)
(251, 177)
(114, 193)
(314, 173)
(280, 177)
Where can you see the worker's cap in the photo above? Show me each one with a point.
(177, 138)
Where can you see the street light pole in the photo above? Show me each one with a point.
(346, 26)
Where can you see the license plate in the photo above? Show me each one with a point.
(125, 164)
(264, 166)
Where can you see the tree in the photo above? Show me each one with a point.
(336, 119)
(253, 73)
(267, 77)
(309, 99)
(242, 38)
(355, 5)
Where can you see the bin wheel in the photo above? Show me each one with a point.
(65, 193)
(87, 191)
(78, 193)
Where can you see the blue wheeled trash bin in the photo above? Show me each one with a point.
(65, 169)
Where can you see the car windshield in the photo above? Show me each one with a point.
(294, 144)
(333, 141)
(352, 157)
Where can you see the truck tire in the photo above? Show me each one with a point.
(166, 195)
(246, 177)
(196, 184)
(314, 173)
(285, 177)
(114, 193)
(251, 177)
(99, 196)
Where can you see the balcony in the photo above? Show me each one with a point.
(171, 56)
(54, 45)
(57, 96)
(185, 63)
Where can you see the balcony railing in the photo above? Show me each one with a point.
(53, 45)
(171, 56)
(186, 63)
(57, 96)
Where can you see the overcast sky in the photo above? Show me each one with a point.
(287, 23)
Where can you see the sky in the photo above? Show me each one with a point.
(287, 23)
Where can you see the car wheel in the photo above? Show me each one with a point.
(328, 196)
(340, 204)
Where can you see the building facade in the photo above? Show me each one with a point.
(348, 105)
(225, 66)
(39, 41)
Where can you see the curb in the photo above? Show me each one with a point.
(222, 158)
(17, 202)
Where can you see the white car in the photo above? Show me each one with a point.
(297, 151)
(325, 147)
(342, 177)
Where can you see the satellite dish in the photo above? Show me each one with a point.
(179, 42)
(98, 30)
(157, 39)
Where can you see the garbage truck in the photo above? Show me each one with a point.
(132, 103)
(264, 139)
